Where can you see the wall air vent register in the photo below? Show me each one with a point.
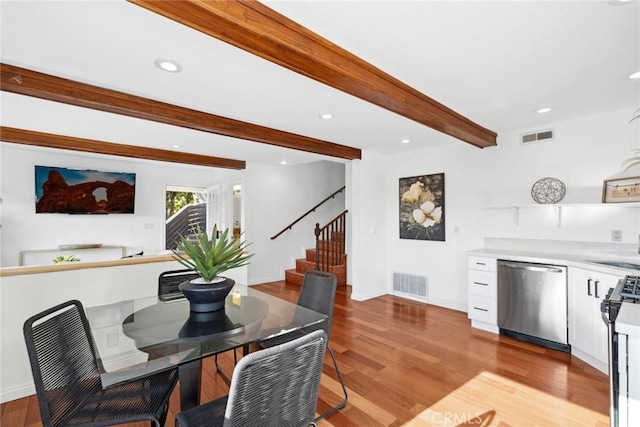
(411, 285)
(544, 135)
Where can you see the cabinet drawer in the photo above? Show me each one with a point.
(482, 309)
(482, 283)
(482, 263)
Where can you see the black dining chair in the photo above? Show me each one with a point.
(65, 367)
(168, 283)
(317, 293)
(274, 387)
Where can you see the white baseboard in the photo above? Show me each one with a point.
(485, 326)
(17, 392)
(407, 296)
(453, 305)
(260, 280)
(363, 296)
(602, 367)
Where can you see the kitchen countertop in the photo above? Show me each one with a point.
(585, 260)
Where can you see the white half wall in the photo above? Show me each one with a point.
(22, 296)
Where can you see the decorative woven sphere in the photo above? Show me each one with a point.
(548, 191)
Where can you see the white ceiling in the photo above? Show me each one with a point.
(493, 62)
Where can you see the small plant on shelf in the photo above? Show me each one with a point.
(65, 258)
(633, 161)
(209, 256)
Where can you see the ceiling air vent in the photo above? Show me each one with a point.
(528, 138)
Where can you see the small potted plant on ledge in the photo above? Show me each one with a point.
(209, 256)
(633, 161)
(65, 258)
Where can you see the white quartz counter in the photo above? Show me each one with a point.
(581, 260)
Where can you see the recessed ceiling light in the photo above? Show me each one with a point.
(635, 75)
(168, 65)
(175, 146)
(326, 116)
(543, 110)
(283, 162)
(405, 141)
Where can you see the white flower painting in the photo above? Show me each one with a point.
(422, 207)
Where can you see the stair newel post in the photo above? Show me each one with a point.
(333, 243)
(317, 233)
(324, 263)
(341, 241)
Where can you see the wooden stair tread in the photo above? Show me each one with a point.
(293, 277)
(310, 255)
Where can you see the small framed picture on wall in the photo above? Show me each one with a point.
(422, 207)
(621, 190)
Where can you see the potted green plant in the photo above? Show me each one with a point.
(633, 161)
(65, 258)
(209, 256)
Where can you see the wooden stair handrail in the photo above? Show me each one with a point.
(334, 255)
(313, 209)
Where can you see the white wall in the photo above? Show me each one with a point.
(368, 244)
(584, 152)
(23, 229)
(274, 197)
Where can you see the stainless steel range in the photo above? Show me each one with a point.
(621, 313)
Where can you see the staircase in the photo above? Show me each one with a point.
(331, 250)
(329, 254)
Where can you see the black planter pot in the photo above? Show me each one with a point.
(207, 297)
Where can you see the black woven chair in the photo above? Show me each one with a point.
(169, 281)
(317, 293)
(66, 373)
(274, 387)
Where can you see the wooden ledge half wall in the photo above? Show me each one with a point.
(255, 28)
(41, 139)
(66, 266)
(44, 86)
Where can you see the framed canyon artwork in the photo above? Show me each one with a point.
(81, 191)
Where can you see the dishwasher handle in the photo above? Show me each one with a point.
(531, 267)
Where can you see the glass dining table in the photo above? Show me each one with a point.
(138, 337)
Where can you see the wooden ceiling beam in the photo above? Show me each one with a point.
(50, 140)
(44, 86)
(255, 28)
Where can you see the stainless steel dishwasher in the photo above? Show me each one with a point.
(532, 303)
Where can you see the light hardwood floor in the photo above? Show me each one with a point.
(411, 364)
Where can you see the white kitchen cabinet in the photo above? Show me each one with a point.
(587, 331)
(482, 293)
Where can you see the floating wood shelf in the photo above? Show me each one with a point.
(558, 208)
